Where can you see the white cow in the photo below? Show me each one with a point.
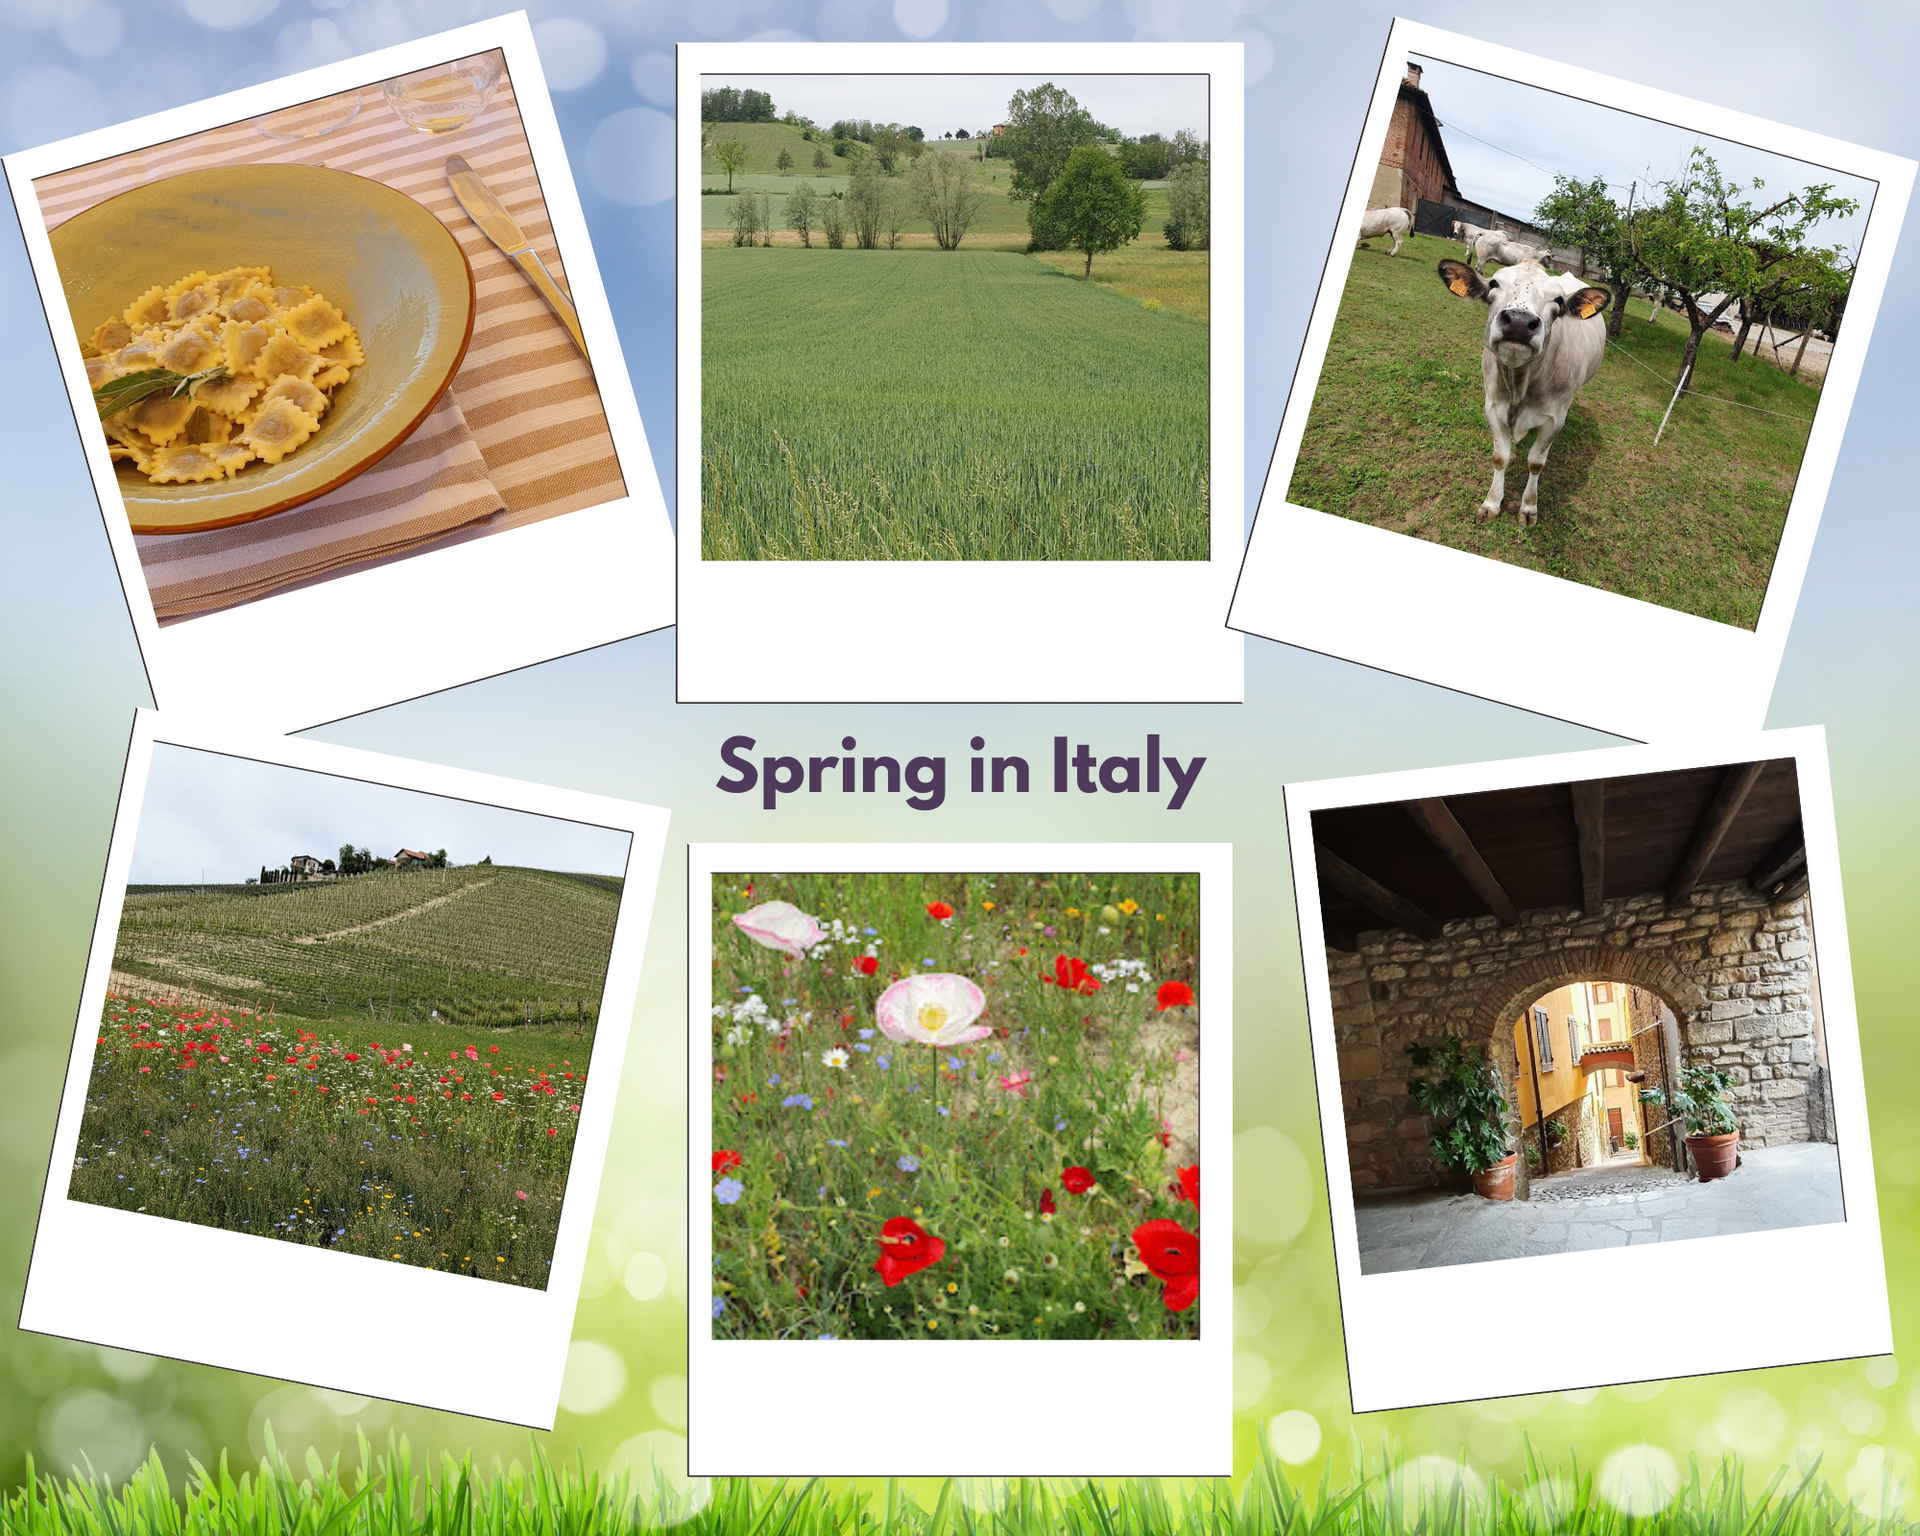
(1386, 221)
(1489, 246)
(1546, 337)
(1466, 234)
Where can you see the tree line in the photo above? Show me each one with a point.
(352, 861)
(1700, 242)
(1080, 180)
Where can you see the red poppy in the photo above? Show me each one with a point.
(906, 1248)
(1172, 1256)
(1071, 973)
(723, 1160)
(866, 965)
(499, 1096)
(1076, 1180)
(939, 911)
(1189, 1186)
(1047, 1206)
(1172, 994)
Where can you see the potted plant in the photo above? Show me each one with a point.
(1466, 1113)
(1632, 1140)
(1702, 1106)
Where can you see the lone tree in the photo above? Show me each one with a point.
(1093, 205)
(867, 201)
(745, 215)
(948, 194)
(1583, 214)
(803, 205)
(833, 221)
(1189, 204)
(1704, 242)
(819, 158)
(784, 162)
(1044, 127)
(730, 155)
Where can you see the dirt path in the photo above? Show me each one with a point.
(394, 917)
(145, 989)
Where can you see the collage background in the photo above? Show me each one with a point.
(606, 721)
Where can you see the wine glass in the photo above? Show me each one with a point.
(445, 97)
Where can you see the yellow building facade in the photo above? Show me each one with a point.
(1597, 1105)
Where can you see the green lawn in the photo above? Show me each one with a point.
(1397, 439)
(888, 405)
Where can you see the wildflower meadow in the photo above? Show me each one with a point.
(447, 1149)
(956, 1106)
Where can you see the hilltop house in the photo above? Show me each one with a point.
(304, 866)
(409, 858)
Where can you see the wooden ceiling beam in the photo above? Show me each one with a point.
(1786, 856)
(1735, 784)
(1371, 894)
(1435, 818)
(1590, 828)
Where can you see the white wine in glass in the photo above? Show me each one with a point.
(445, 97)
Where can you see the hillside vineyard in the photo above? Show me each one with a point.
(480, 945)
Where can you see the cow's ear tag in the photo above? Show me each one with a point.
(1589, 305)
(1458, 285)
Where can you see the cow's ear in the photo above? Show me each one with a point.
(1461, 279)
(1588, 302)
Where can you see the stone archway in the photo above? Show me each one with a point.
(1506, 993)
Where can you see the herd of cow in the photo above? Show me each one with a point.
(1546, 336)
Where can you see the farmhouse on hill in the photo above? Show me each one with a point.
(304, 866)
(409, 858)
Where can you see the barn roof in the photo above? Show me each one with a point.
(1414, 865)
(1417, 98)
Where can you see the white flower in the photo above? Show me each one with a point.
(937, 1008)
(780, 925)
(837, 1057)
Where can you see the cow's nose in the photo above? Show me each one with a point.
(1518, 325)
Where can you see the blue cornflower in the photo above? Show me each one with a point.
(728, 1191)
(882, 1063)
(945, 1111)
(774, 1080)
(719, 1305)
(861, 1045)
(955, 1062)
(788, 1002)
(866, 1034)
(869, 932)
(826, 1336)
(908, 1164)
(797, 1101)
(926, 962)
(1060, 1125)
(833, 1141)
(993, 1055)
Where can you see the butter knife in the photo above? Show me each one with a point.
(490, 214)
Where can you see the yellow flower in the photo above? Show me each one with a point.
(1073, 911)
(1129, 906)
(986, 906)
(952, 1289)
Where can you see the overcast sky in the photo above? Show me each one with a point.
(937, 104)
(229, 815)
(1506, 140)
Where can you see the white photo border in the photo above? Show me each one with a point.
(1029, 1407)
(1398, 1358)
(1330, 584)
(526, 595)
(1176, 649)
(77, 1282)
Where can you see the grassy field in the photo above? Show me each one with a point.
(825, 1127)
(910, 405)
(482, 945)
(388, 1492)
(1397, 439)
(440, 1147)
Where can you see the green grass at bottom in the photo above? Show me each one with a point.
(387, 1493)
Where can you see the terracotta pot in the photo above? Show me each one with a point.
(1497, 1182)
(1713, 1156)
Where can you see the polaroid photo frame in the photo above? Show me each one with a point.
(469, 600)
(1031, 1407)
(968, 630)
(1520, 636)
(85, 1255)
(1427, 1253)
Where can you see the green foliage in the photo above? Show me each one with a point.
(750, 219)
(1092, 206)
(838, 1128)
(1465, 1109)
(819, 158)
(784, 160)
(1556, 1130)
(898, 407)
(867, 197)
(833, 221)
(726, 104)
(384, 1492)
(949, 196)
(1631, 1140)
(1044, 126)
(803, 211)
(1189, 203)
(1702, 1103)
(731, 155)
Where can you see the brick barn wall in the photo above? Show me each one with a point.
(1737, 971)
(1410, 150)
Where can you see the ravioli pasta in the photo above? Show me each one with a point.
(257, 363)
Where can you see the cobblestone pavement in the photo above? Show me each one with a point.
(1797, 1185)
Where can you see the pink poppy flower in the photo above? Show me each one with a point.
(780, 925)
(1020, 1084)
(938, 1008)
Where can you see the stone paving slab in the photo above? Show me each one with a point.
(1797, 1185)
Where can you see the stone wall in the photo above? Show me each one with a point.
(1736, 970)
(1646, 1018)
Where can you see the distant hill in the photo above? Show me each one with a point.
(481, 944)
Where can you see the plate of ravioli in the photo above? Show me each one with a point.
(255, 336)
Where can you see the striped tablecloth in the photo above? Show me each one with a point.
(519, 437)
